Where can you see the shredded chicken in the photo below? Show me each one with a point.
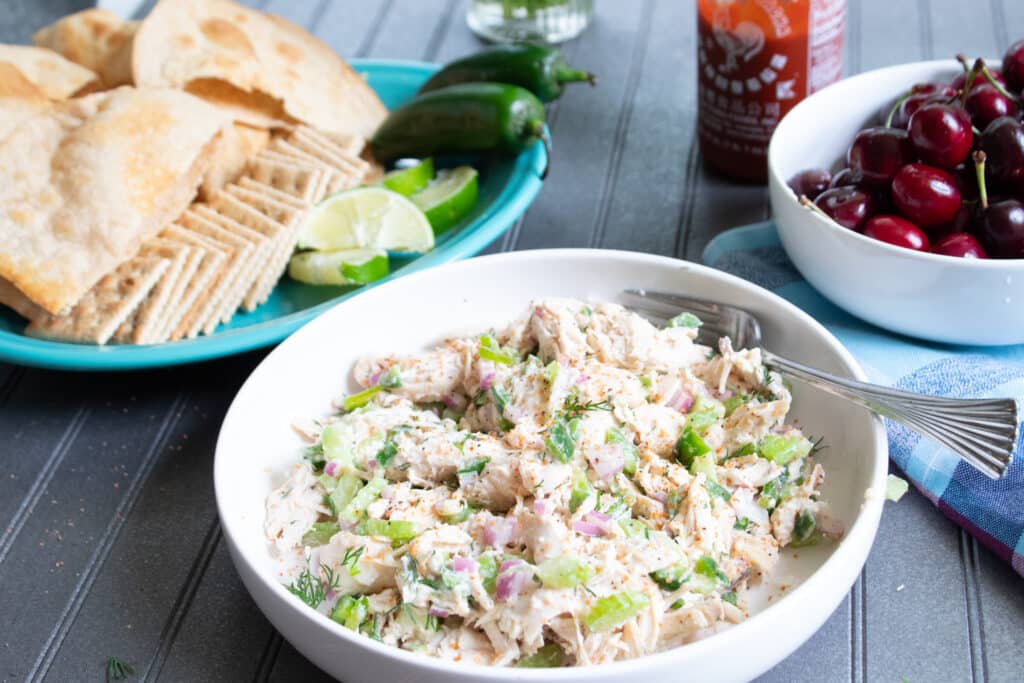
(578, 488)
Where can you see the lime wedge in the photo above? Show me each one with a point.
(409, 181)
(448, 198)
(366, 218)
(344, 267)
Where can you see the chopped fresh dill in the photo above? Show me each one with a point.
(573, 407)
(351, 560)
(118, 670)
(313, 590)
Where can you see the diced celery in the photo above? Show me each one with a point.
(742, 523)
(615, 436)
(634, 528)
(706, 464)
(690, 446)
(685, 319)
(457, 516)
(347, 488)
(730, 598)
(613, 610)
(547, 657)
(475, 467)
(734, 402)
(386, 452)
(805, 530)
(564, 572)
(395, 529)
(783, 450)
(351, 611)
(502, 399)
(704, 412)
(561, 438)
(392, 379)
(671, 578)
(488, 568)
(744, 450)
(366, 495)
(706, 566)
(489, 349)
(551, 372)
(314, 455)
(337, 443)
(895, 487)
(619, 509)
(581, 490)
(359, 399)
(320, 533)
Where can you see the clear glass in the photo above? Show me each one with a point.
(547, 21)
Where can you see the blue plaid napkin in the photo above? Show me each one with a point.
(993, 511)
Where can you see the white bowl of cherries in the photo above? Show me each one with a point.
(899, 194)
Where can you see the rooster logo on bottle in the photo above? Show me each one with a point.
(744, 40)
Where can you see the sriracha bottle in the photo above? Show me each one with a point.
(755, 60)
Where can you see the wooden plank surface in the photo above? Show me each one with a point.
(109, 542)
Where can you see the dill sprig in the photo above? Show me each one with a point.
(351, 559)
(313, 590)
(573, 408)
(118, 670)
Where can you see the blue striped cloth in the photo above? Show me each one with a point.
(993, 511)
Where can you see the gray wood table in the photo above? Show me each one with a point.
(109, 539)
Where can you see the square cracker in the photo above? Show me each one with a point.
(148, 317)
(332, 178)
(189, 271)
(263, 247)
(325, 149)
(302, 182)
(272, 192)
(288, 216)
(238, 271)
(251, 217)
(210, 296)
(102, 309)
(210, 261)
(342, 179)
(350, 144)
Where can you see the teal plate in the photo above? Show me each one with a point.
(507, 186)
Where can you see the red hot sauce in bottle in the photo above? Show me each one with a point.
(755, 60)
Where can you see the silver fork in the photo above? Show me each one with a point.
(981, 431)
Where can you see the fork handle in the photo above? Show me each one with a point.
(981, 431)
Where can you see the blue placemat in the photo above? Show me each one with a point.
(993, 511)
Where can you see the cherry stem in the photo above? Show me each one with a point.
(814, 207)
(972, 75)
(896, 105)
(979, 171)
(996, 84)
(962, 58)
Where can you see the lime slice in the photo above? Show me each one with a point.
(345, 267)
(409, 181)
(448, 199)
(366, 218)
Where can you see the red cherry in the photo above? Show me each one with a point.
(1013, 66)
(927, 196)
(985, 104)
(1003, 143)
(810, 183)
(898, 231)
(962, 244)
(941, 134)
(1002, 229)
(847, 205)
(961, 79)
(876, 154)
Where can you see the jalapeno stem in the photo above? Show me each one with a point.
(567, 75)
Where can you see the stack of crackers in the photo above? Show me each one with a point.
(206, 236)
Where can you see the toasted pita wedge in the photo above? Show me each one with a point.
(56, 77)
(77, 200)
(102, 310)
(236, 147)
(96, 39)
(258, 54)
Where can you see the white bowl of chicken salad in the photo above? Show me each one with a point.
(493, 471)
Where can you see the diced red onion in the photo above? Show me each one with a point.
(487, 372)
(374, 378)
(438, 612)
(594, 523)
(512, 578)
(499, 531)
(487, 381)
(331, 468)
(681, 400)
(607, 460)
(582, 379)
(588, 528)
(331, 594)
(463, 564)
(455, 402)
(540, 508)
